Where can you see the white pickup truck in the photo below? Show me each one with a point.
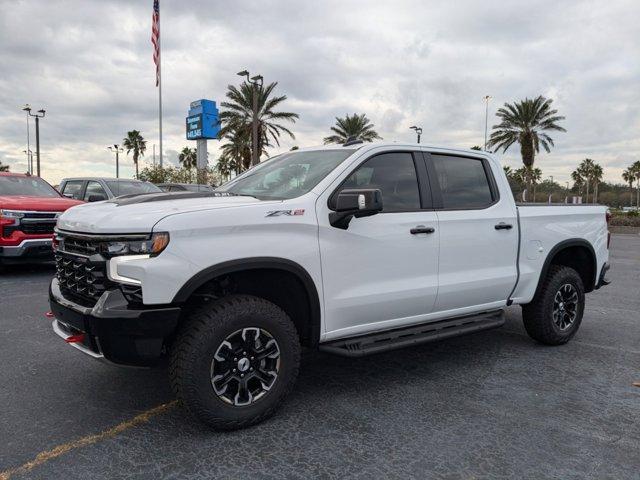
(352, 249)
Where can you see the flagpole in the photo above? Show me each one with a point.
(160, 83)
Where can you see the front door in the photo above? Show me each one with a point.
(377, 274)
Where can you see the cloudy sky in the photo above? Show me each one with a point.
(89, 64)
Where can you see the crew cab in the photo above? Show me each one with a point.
(352, 249)
(29, 208)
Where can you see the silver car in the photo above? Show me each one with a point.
(95, 189)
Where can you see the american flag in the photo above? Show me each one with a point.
(155, 38)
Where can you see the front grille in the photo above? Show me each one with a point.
(80, 278)
(81, 267)
(38, 228)
(83, 246)
(33, 223)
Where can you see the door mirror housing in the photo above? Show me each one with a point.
(357, 202)
(96, 198)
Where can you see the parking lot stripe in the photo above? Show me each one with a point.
(44, 457)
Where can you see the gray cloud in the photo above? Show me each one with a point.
(88, 62)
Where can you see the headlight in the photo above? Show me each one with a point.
(152, 246)
(11, 217)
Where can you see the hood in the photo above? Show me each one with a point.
(40, 204)
(139, 213)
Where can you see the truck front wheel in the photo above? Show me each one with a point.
(234, 361)
(555, 314)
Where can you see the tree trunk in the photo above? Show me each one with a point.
(587, 196)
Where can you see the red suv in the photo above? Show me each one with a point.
(29, 209)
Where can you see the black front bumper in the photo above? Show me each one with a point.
(113, 329)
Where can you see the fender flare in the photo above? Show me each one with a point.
(257, 263)
(557, 248)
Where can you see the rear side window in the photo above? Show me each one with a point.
(73, 189)
(463, 182)
(395, 175)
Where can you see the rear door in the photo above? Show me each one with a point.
(377, 274)
(478, 234)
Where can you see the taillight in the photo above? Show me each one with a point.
(607, 216)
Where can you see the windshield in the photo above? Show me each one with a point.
(288, 175)
(130, 187)
(27, 186)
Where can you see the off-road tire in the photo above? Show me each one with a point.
(538, 315)
(194, 348)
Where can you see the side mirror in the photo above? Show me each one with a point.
(68, 195)
(357, 202)
(96, 198)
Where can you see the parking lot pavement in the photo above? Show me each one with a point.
(490, 405)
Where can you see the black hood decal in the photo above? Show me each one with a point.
(161, 196)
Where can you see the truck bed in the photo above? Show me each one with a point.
(543, 228)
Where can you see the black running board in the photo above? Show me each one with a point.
(414, 335)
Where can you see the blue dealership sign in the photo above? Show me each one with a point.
(202, 121)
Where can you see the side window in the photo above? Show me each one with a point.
(73, 189)
(463, 182)
(94, 189)
(395, 175)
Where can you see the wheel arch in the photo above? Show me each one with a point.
(288, 269)
(576, 253)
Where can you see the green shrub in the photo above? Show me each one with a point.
(626, 220)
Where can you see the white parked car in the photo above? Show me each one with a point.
(352, 249)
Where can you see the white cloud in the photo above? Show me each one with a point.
(402, 63)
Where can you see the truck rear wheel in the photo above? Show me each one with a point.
(555, 314)
(234, 361)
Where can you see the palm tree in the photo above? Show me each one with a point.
(629, 177)
(635, 167)
(526, 122)
(535, 175)
(236, 153)
(238, 116)
(356, 126)
(578, 181)
(476, 147)
(188, 158)
(508, 171)
(4, 168)
(134, 142)
(596, 177)
(590, 173)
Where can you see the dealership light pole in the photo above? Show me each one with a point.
(27, 109)
(29, 161)
(256, 83)
(418, 131)
(486, 119)
(38, 115)
(118, 151)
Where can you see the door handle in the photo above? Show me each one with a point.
(422, 229)
(503, 226)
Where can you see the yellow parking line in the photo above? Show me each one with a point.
(47, 455)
